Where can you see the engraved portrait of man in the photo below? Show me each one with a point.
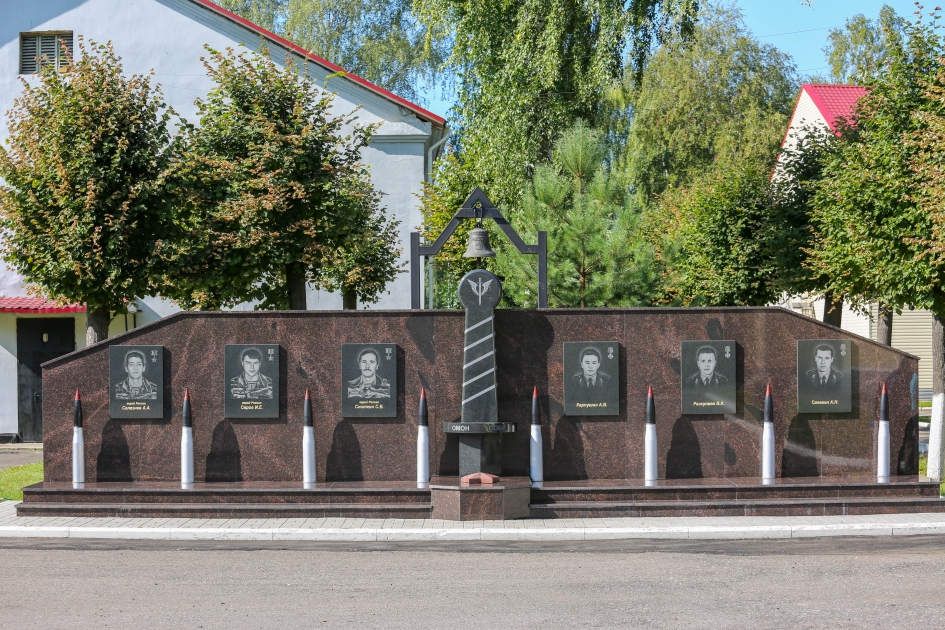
(135, 386)
(252, 384)
(369, 384)
(590, 384)
(706, 377)
(824, 377)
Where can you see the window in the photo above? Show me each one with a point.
(37, 50)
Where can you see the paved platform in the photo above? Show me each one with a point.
(366, 530)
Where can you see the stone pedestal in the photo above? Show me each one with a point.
(508, 498)
(480, 445)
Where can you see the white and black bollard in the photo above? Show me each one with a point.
(78, 444)
(882, 448)
(187, 445)
(536, 464)
(650, 458)
(767, 441)
(308, 444)
(423, 442)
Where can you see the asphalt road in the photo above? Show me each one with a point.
(14, 456)
(825, 583)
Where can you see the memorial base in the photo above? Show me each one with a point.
(507, 498)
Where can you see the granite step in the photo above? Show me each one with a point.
(230, 510)
(762, 507)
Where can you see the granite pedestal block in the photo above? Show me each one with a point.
(506, 499)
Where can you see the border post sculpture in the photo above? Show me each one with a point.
(480, 439)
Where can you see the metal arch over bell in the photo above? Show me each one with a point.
(479, 244)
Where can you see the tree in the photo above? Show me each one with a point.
(270, 195)
(711, 239)
(527, 69)
(857, 52)
(718, 97)
(380, 41)
(595, 255)
(872, 234)
(83, 204)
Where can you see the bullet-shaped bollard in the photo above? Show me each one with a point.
(882, 448)
(536, 464)
(187, 444)
(767, 440)
(650, 468)
(423, 442)
(308, 444)
(78, 444)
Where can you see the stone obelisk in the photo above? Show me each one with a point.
(480, 440)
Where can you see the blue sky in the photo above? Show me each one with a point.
(798, 30)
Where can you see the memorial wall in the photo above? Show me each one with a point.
(247, 374)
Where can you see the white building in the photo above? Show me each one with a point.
(169, 36)
(822, 106)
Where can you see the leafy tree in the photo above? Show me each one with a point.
(857, 52)
(873, 235)
(718, 97)
(83, 204)
(527, 69)
(380, 41)
(271, 195)
(595, 256)
(710, 238)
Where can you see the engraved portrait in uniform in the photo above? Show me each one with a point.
(136, 378)
(591, 386)
(251, 375)
(707, 370)
(823, 376)
(369, 380)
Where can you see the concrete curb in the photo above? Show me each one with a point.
(378, 534)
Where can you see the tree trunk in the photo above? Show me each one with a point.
(96, 325)
(295, 281)
(349, 300)
(884, 325)
(938, 398)
(833, 310)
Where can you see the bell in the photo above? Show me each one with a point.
(479, 244)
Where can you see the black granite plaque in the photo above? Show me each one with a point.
(707, 369)
(823, 376)
(251, 381)
(591, 378)
(136, 381)
(369, 380)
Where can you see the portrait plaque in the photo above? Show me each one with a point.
(591, 378)
(369, 380)
(823, 376)
(136, 381)
(251, 381)
(707, 369)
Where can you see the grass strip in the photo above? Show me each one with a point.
(12, 480)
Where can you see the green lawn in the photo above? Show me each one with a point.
(13, 479)
(925, 404)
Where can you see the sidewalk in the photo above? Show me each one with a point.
(365, 530)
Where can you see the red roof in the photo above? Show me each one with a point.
(835, 101)
(419, 111)
(36, 305)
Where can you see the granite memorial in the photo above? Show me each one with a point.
(136, 382)
(251, 381)
(369, 380)
(591, 378)
(707, 370)
(479, 429)
(824, 376)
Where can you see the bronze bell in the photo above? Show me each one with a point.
(479, 244)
